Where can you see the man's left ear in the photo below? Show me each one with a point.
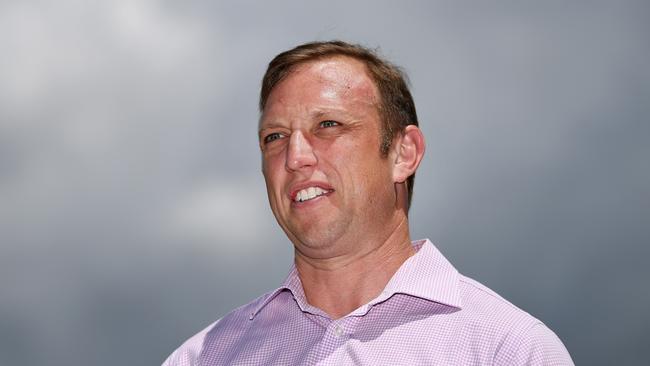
(409, 150)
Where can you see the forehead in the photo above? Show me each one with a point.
(337, 82)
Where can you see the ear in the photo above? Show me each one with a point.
(409, 150)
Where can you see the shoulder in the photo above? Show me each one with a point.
(480, 301)
(189, 352)
(521, 338)
(539, 346)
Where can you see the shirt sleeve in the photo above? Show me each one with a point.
(188, 353)
(540, 346)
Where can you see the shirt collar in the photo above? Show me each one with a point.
(292, 284)
(427, 275)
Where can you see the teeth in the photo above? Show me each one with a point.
(309, 193)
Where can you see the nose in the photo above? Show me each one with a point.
(300, 153)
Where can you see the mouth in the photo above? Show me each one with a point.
(309, 193)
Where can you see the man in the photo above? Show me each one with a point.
(340, 146)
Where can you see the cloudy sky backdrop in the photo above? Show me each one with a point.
(132, 208)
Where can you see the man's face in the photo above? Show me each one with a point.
(320, 135)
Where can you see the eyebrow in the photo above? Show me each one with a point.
(317, 114)
(338, 112)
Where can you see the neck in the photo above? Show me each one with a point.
(342, 284)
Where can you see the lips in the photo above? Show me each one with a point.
(309, 191)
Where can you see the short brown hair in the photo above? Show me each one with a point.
(396, 106)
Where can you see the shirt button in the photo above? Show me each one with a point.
(338, 331)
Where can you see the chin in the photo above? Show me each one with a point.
(319, 241)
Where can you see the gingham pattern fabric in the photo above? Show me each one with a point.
(428, 314)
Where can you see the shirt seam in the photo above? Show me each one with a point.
(497, 297)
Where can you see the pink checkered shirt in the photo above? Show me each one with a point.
(428, 314)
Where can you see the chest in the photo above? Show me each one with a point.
(381, 337)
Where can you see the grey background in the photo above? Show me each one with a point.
(132, 208)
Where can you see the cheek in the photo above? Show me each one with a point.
(273, 183)
(373, 176)
(271, 165)
(275, 178)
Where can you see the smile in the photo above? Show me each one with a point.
(309, 194)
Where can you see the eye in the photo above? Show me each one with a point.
(328, 123)
(272, 137)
